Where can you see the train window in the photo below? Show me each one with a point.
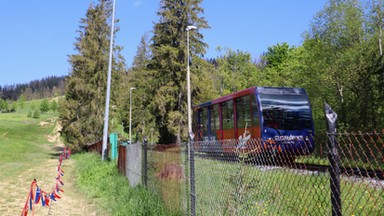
(243, 112)
(194, 122)
(227, 113)
(255, 111)
(214, 119)
(203, 116)
(286, 112)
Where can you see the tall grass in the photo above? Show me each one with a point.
(111, 191)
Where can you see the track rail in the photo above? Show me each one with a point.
(349, 171)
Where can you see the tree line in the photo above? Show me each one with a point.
(340, 61)
(50, 86)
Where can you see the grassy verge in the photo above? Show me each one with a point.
(111, 191)
(172, 187)
(241, 189)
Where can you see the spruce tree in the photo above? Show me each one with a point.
(169, 59)
(44, 106)
(141, 77)
(82, 110)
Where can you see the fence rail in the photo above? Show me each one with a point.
(97, 146)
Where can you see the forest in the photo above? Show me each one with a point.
(340, 61)
(37, 89)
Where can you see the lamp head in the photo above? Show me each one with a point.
(191, 27)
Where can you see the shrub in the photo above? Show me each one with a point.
(36, 114)
(44, 106)
(54, 106)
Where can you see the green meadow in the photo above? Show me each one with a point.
(23, 142)
(25, 151)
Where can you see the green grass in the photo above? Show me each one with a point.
(172, 191)
(102, 183)
(22, 140)
(240, 189)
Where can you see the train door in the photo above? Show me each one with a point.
(214, 123)
(228, 120)
(202, 132)
(255, 117)
(243, 117)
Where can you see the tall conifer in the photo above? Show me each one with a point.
(169, 61)
(82, 110)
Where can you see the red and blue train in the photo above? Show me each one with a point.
(260, 119)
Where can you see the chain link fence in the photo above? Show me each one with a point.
(165, 173)
(343, 176)
(255, 181)
(229, 180)
(361, 173)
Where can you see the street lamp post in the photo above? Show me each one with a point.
(189, 84)
(190, 146)
(130, 114)
(106, 115)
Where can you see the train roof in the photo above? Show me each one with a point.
(261, 90)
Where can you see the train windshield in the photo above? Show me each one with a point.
(286, 111)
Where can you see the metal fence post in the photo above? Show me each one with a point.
(334, 159)
(192, 176)
(145, 162)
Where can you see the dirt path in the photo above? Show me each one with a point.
(71, 202)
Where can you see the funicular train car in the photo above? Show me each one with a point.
(255, 121)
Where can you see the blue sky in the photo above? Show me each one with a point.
(38, 36)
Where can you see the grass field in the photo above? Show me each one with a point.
(92, 187)
(22, 141)
(27, 153)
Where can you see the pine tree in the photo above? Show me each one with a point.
(21, 101)
(82, 110)
(53, 106)
(169, 59)
(44, 106)
(139, 76)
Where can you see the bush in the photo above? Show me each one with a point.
(36, 114)
(44, 106)
(54, 106)
(3, 105)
